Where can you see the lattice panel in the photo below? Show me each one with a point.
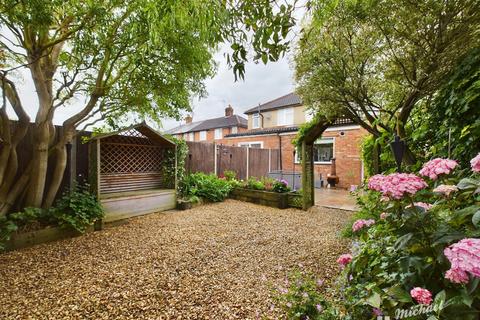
(130, 158)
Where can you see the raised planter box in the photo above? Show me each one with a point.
(49, 234)
(266, 198)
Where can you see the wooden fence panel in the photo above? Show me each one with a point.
(200, 157)
(258, 162)
(275, 160)
(233, 159)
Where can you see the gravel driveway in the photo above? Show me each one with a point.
(217, 261)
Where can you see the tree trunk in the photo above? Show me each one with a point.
(14, 192)
(60, 157)
(36, 185)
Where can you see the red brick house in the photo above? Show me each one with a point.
(210, 130)
(273, 125)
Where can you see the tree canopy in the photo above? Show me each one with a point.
(375, 61)
(128, 59)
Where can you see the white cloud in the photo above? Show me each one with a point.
(262, 83)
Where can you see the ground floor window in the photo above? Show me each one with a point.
(256, 144)
(323, 151)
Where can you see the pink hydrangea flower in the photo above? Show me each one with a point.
(397, 185)
(464, 257)
(344, 259)
(457, 276)
(375, 182)
(438, 166)
(445, 189)
(384, 215)
(475, 163)
(361, 223)
(421, 295)
(426, 206)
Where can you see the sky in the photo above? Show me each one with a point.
(262, 83)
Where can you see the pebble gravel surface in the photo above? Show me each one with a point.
(217, 261)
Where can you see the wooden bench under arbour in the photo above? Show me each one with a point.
(127, 171)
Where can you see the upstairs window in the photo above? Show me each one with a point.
(203, 135)
(218, 133)
(285, 117)
(234, 130)
(191, 136)
(255, 121)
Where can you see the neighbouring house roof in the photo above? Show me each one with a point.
(275, 130)
(220, 122)
(288, 100)
(256, 132)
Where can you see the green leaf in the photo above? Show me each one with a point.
(476, 219)
(374, 300)
(264, 58)
(400, 294)
(468, 183)
(403, 241)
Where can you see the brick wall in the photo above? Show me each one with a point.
(347, 145)
(211, 134)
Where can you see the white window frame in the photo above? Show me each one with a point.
(285, 116)
(255, 120)
(218, 134)
(185, 136)
(234, 130)
(191, 136)
(249, 144)
(322, 140)
(202, 135)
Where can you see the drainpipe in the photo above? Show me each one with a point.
(280, 150)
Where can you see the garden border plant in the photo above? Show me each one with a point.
(415, 250)
(76, 210)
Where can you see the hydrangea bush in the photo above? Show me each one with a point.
(415, 246)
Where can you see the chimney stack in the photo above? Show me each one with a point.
(228, 111)
(188, 119)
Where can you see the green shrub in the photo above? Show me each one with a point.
(254, 184)
(281, 186)
(7, 227)
(404, 247)
(208, 187)
(77, 209)
(230, 175)
(301, 298)
(14, 221)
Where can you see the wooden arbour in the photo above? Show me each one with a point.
(307, 141)
(130, 160)
(128, 164)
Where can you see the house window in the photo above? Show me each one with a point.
(323, 151)
(203, 135)
(285, 117)
(191, 136)
(254, 144)
(218, 133)
(185, 136)
(256, 120)
(234, 130)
